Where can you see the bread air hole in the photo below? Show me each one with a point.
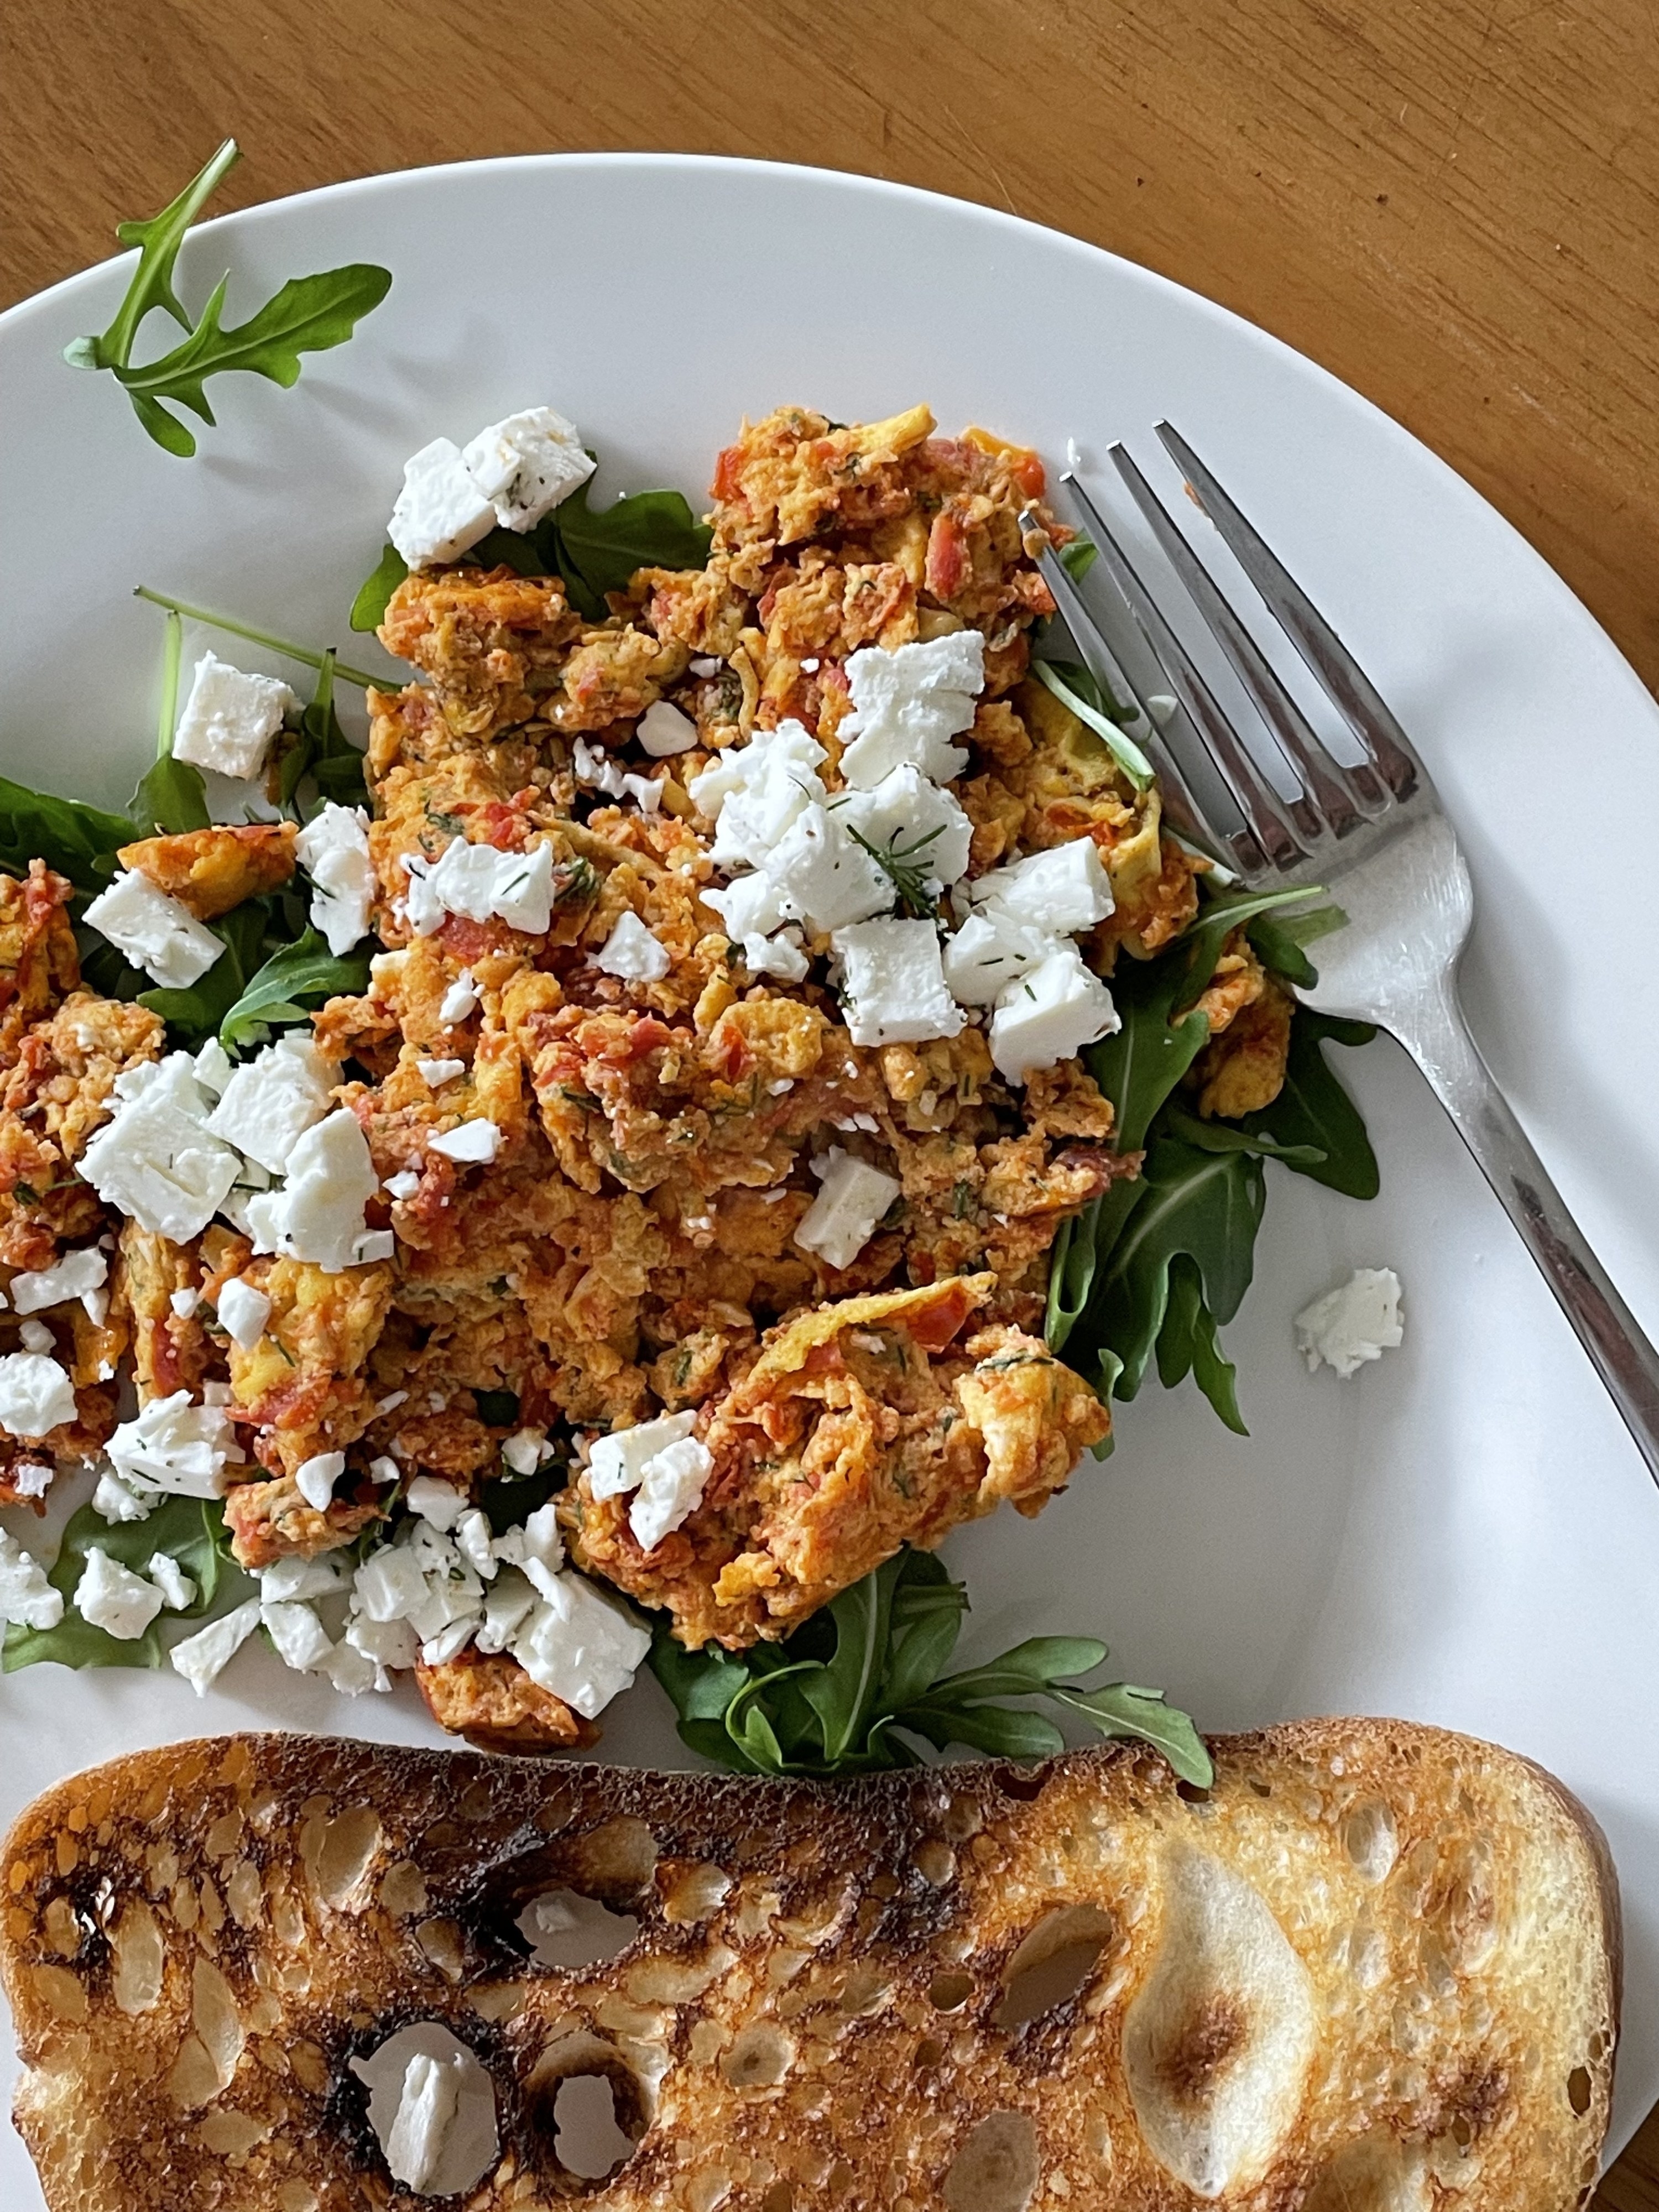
(588, 2140)
(996, 2170)
(564, 1929)
(588, 2105)
(1052, 1965)
(1578, 2090)
(432, 2107)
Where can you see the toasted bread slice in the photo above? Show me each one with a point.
(1374, 1970)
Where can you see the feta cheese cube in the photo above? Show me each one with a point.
(1357, 1321)
(476, 1545)
(155, 930)
(893, 983)
(390, 1585)
(353, 1672)
(26, 1595)
(460, 1001)
(907, 704)
(434, 1500)
(403, 1186)
(318, 1215)
(580, 1646)
(243, 1311)
(990, 951)
(823, 875)
(781, 956)
(475, 881)
(664, 731)
(177, 1590)
(315, 1478)
(852, 1198)
(439, 513)
(115, 1502)
(299, 1639)
(671, 1487)
(112, 1597)
(475, 1144)
(184, 1302)
(525, 1451)
(509, 1603)
(272, 1099)
(535, 1541)
(618, 1463)
(175, 1446)
(36, 1396)
(450, 1641)
(293, 1579)
(333, 850)
(154, 1160)
(373, 1244)
(434, 1074)
(750, 905)
(1049, 1015)
(912, 818)
(387, 1643)
(526, 464)
(202, 1658)
(74, 1276)
(1059, 891)
(772, 764)
(230, 719)
(633, 952)
(212, 1067)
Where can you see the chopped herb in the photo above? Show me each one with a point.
(902, 865)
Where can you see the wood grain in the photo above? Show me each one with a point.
(1451, 203)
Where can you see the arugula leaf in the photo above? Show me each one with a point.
(190, 1528)
(306, 971)
(374, 592)
(1280, 939)
(1078, 556)
(1216, 919)
(600, 552)
(80, 842)
(1313, 1109)
(321, 749)
(158, 240)
(171, 797)
(842, 1694)
(1187, 1344)
(1217, 1136)
(1075, 687)
(303, 654)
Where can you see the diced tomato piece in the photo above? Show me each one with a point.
(728, 474)
(1032, 477)
(935, 1324)
(947, 555)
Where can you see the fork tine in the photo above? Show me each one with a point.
(1342, 796)
(1342, 677)
(1282, 841)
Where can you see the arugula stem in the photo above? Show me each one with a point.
(171, 653)
(299, 653)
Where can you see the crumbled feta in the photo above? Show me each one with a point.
(579, 1645)
(475, 1544)
(460, 1001)
(852, 1198)
(618, 1463)
(1358, 1321)
(177, 1590)
(184, 1302)
(633, 952)
(155, 930)
(754, 792)
(294, 1579)
(112, 1597)
(299, 1639)
(36, 1394)
(1049, 1015)
(477, 882)
(315, 1478)
(434, 1500)
(26, 1595)
(333, 850)
(823, 876)
(353, 1672)
(74, 1276)
(389, 1584)
(318, 1215)
(450, 1641)
(440, 512)
(474, 1144)
(914, 820)
(781, 956)
(404, 1185)
(893, 983)
(671, 1485)
(375, 1245)
(175, 1446)
(525, 1451)
(386, 1643)
(908, 705)
(990, 951)
(155, 1160)
(212, 1067)
(434, 1074)
(595, 767)
(750, 906)
(509, 1603)
(32, 1478)
(113, 1500)
(37, 1337)
(202, 1658)
(526, 464)
(243, 1311)
(664, 731)
(536, 1544)
(230, 719)
(1059, 892)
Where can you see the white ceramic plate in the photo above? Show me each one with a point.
(1463, 1534)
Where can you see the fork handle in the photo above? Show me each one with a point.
(1437, 1037)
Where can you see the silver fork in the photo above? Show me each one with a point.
(1374, 833)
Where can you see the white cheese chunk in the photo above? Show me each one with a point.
(595, 767)
(508, 1604)
(766, 770)
(386, 1643)
(296, 1579)
(26, 1595)
(184, 1302)
(353, 1672)
(404, 1185)
(823, 876)
(664, 731)
(440, 512)
(243, 1311)
(893, 983)
(428, 2103)
(908, 705)
(460, 1001)
(374, 1244)
(535, 1543)
(781, 956)
(476, 882)
(156, 931)
(212, 1067)
(333, 850)
(990, 951)
(315, 1478)
(230, 719)
(618, 1463)
(852, 1199)
(175, 1446)
(1059, 891)
(155, 1160)
(434, 1074)
(72, 1277)
(37, 1337)
(299, 1639)
(526, 464)
(475, 1543)
(672, 1484)
(112, 1597)
(36, 1394)
(177, 1590)
(579, 1645)
(1357, 1321)
(115, 1502)
(1049, 1015)
(474, 1144)
(202, 1658)
(318, 1215)
(914, 820)
(434, 1500)
(752, 905)
(389, 1584)
(526, 1449)
(633, 952)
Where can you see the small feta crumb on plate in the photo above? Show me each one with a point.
(1357, 1321)
(112, 1597)
(202, 1658)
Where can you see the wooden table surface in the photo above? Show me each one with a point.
(1454, 204)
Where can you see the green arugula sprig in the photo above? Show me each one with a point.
(307, 315)
(848, 1692)
(306, 655)
(190, 1529)
(293, 982)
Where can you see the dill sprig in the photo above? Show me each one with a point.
(903, 866)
